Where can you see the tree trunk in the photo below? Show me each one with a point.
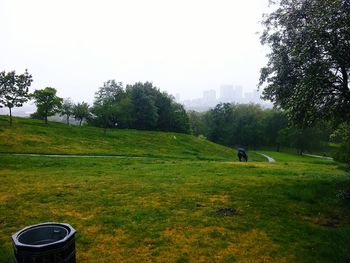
(278, 147)
(80, 122)
(10, 116)
(46, 117)
(67, 119)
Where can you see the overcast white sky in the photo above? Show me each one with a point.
(182, 46)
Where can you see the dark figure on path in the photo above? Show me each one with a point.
(242, 156)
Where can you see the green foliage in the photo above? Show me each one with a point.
(112, 108)
(239, 125)
(248, 125)
(343, 153)
(81, 111)
(140, 106)
(309, 139)
(111, 90)
(47, 103)
(341, 133)
(197, 122)
(218, 131)
(309, 65)
(273, 122)
(67, 108)
(145, 110)
(14, 89)
(179, 121)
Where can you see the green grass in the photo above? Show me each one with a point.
(292, 157)
(32, 136)
(131, 210)
(164, 209)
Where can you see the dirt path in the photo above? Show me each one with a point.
(71, 155)
(318, 156)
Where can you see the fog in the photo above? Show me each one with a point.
(183, 47)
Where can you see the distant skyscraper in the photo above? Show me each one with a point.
(226, 93)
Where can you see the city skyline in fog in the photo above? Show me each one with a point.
(183, 47)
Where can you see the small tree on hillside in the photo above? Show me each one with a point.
(14, 89)
(47, 103)
(67, 108)
(81, 111)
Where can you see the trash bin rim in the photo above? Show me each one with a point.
(71, 232)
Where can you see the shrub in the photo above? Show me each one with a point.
(343, 152)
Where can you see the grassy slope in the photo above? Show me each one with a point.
(32, 136)
(163, 209)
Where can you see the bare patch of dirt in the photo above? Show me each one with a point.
(226, 211)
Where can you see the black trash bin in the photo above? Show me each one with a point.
(45, 243)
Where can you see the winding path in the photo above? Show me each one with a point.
(72, 155)
(269, 159)
(318, 156)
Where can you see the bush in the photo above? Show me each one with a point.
(343, 153)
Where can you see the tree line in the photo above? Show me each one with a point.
(138, 106)
(251, 126)
(143, 106)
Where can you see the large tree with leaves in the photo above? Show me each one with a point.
(81, 111)
(47, 103)
(308, 69)
(145, 110)
(14, 89)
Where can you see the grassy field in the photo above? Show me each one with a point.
(176, 207)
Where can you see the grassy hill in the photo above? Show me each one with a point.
(192, 203)
(32, 136)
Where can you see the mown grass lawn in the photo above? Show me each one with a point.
(165, 210)
(33, 136)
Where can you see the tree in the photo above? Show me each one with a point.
(81, 111)
(67, 108)
(145, 111)
(197, 123)
(308, 139)
(220, 124)
(105, 113)
(111, 90)
(163, 103)
(14, 89)
(179, 121)
(47, 103)
(247, 126)
(342, 135)
(112, 106)
(307, 73)
(273, 122)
